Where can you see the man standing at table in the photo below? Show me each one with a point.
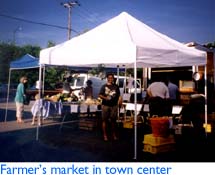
(158, 94)
(109, 94)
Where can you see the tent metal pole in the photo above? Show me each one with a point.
(124, 84)
(118, 75)
(39, 117)
(135, 112)
(8, 93)
(206, 109)
(120, 94)
(43, 81)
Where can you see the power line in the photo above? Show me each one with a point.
(87, 13)
(39, 23)
(86, 17)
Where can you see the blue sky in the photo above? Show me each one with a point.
(182, 20)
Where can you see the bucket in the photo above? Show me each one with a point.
(160, 126)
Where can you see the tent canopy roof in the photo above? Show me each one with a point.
(122, 40)
(25, 62)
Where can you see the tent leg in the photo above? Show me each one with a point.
(206, 109)
(8, 93)
(40, 77)
(135, 114)
(120, 94)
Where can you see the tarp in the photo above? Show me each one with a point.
(122, 40)
(25, 62)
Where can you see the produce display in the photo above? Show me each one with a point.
(62, 97)
(71, 98)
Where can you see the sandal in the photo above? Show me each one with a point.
(105, 138)
(19, 120)
(115, 138)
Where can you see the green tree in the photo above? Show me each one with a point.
(210, 45)
(11, 52)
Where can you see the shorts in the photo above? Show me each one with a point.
(109, 112)
(19, 109)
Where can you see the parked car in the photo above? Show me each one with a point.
(48, 91)
(78, 81)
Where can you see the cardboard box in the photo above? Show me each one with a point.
(157, 141)
(159, 149)
(156, 145)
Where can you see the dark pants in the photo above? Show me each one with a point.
(159, 106)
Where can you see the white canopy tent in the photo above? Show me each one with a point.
(123, 41)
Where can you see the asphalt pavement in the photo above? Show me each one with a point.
(19, 143)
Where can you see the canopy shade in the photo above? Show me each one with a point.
(25, 62)
(122, 40)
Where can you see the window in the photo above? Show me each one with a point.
(80, 81)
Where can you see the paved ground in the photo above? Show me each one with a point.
(19, 144)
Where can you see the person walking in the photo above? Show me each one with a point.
(109, 94)
(19, 98)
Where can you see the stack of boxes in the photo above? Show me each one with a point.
(158, 144)
(160, 140)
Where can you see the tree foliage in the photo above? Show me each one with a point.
(11, 52)
(210, 45)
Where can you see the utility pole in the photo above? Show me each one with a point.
(69, 5)
(14, 34)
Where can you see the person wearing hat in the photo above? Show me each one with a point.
(19, 98)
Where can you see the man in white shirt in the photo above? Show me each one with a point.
(158, 94)
(158, 89)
